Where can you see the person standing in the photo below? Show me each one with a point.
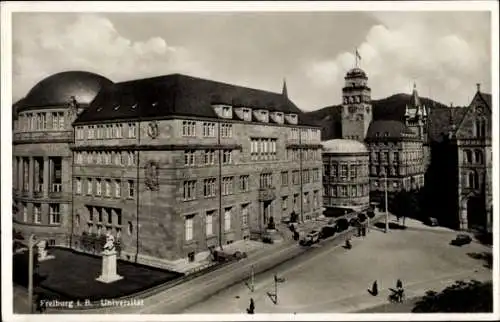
(375, 289)
(251, 308)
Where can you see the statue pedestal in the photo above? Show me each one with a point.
(44, 256)
(109, 274)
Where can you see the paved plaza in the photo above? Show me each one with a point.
(335, 280)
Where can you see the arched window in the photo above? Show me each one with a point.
(480, 127)
(478, 155)
(473, 180)
(467, 156)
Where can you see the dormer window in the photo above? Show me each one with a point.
(246, 113)
(226, 111)
(263, 113)
(291, 118)
(116, 107)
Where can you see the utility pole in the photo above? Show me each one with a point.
(275, 289)
(386, 202)
(252, 279)
(31, 243)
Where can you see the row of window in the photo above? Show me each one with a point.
(410, 169)
(263, 148)
(478, 156)
(418, 181)
(306, 202)
(54, 213)
(208, 157)
(305, 134)
(106, 158)
(228, 188)
(106, 131)
(41, 121)
(471, 180)
(111, 187)
(344, 191)
(384, 156)
(210, 217)
(307, 154)
(346, 171)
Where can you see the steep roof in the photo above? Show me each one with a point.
(180, 95)
(344, 146)
(387, 129)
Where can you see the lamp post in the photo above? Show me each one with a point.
(31, 243)
(386, 203)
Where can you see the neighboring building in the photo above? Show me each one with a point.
(345, 176)
(396, 153)
(462, 172)
(356, 107)
(42, 159)
(176, 166)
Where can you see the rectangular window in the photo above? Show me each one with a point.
(295, 177)
(131, 158)
(352, 171)
(190, 190)
(227, 157)
(118, 158)
(284, 178)
(244, 183)
(315, 199)
(208, 129)
(55, 120)
(61, 121)
(226, 130)
(266, 180)
(209, 157)
(227, 186)
(118, 189)
(130, 188)
(78, 186)
(209, 187)
(227, 219)
(209, 217)
(89, 187)
(98, 187)
(37, 213)
(119, 131)
(188, 128)
(131, 130)
(305, 176)
(189, 227)
(343, 172)
(189, 157)
(108, 188)
(244, 214)
(284, 202)
(54, 214)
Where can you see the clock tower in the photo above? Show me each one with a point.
(356, 105)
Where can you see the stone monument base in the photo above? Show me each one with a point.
(46, 258)
(109, 274)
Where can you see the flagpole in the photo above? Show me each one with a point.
(356, 55)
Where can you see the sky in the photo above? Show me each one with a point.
(444, 53)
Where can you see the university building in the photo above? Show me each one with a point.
(175, 166)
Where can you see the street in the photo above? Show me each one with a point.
(333, 279)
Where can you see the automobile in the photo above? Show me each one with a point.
(431, 221)
(342, 224)
(327, 231)
(222, 256)
(461, 239)
(311, 238)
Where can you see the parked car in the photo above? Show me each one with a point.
(222, 256)
(327, 231)
(371, 214)
(354, 222)
(311, 238)
(461, 239)
(342, 224)
(431, 221)
(362, 217)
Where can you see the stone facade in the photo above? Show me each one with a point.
(356, 107)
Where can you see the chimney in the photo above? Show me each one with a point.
(478, 87)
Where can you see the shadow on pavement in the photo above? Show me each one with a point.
(487, 257)
(392, 225)
(484, 238)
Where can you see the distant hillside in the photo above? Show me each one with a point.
(389, 108)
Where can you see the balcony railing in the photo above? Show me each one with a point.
(56, 187)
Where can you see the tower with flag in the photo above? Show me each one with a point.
(358, 58)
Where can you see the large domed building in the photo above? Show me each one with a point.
(42, 159)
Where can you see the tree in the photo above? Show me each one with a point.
(461, 297)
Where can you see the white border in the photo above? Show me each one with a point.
(7, 8)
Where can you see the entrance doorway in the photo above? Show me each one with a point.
(476, 213)
(266, 212)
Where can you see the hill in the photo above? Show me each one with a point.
(389, 108)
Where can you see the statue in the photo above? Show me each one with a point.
(42, 251)
(109, 246)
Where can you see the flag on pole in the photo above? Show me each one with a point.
(358, 56)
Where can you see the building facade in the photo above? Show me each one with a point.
(176, 166)
(42, 159)
(396, 155)
(345, 176)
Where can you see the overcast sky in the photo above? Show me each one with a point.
(446, 53)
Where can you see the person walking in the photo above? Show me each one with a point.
(400, 290)
(375, 288)
(251, 308)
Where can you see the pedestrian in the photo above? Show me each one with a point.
(251, 308)
(400, 291)
(375, 288)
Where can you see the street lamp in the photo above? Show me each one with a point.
(31, 243)
(386, 202)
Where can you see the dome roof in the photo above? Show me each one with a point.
(344, 146)
(356, 72)
(58, 89)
